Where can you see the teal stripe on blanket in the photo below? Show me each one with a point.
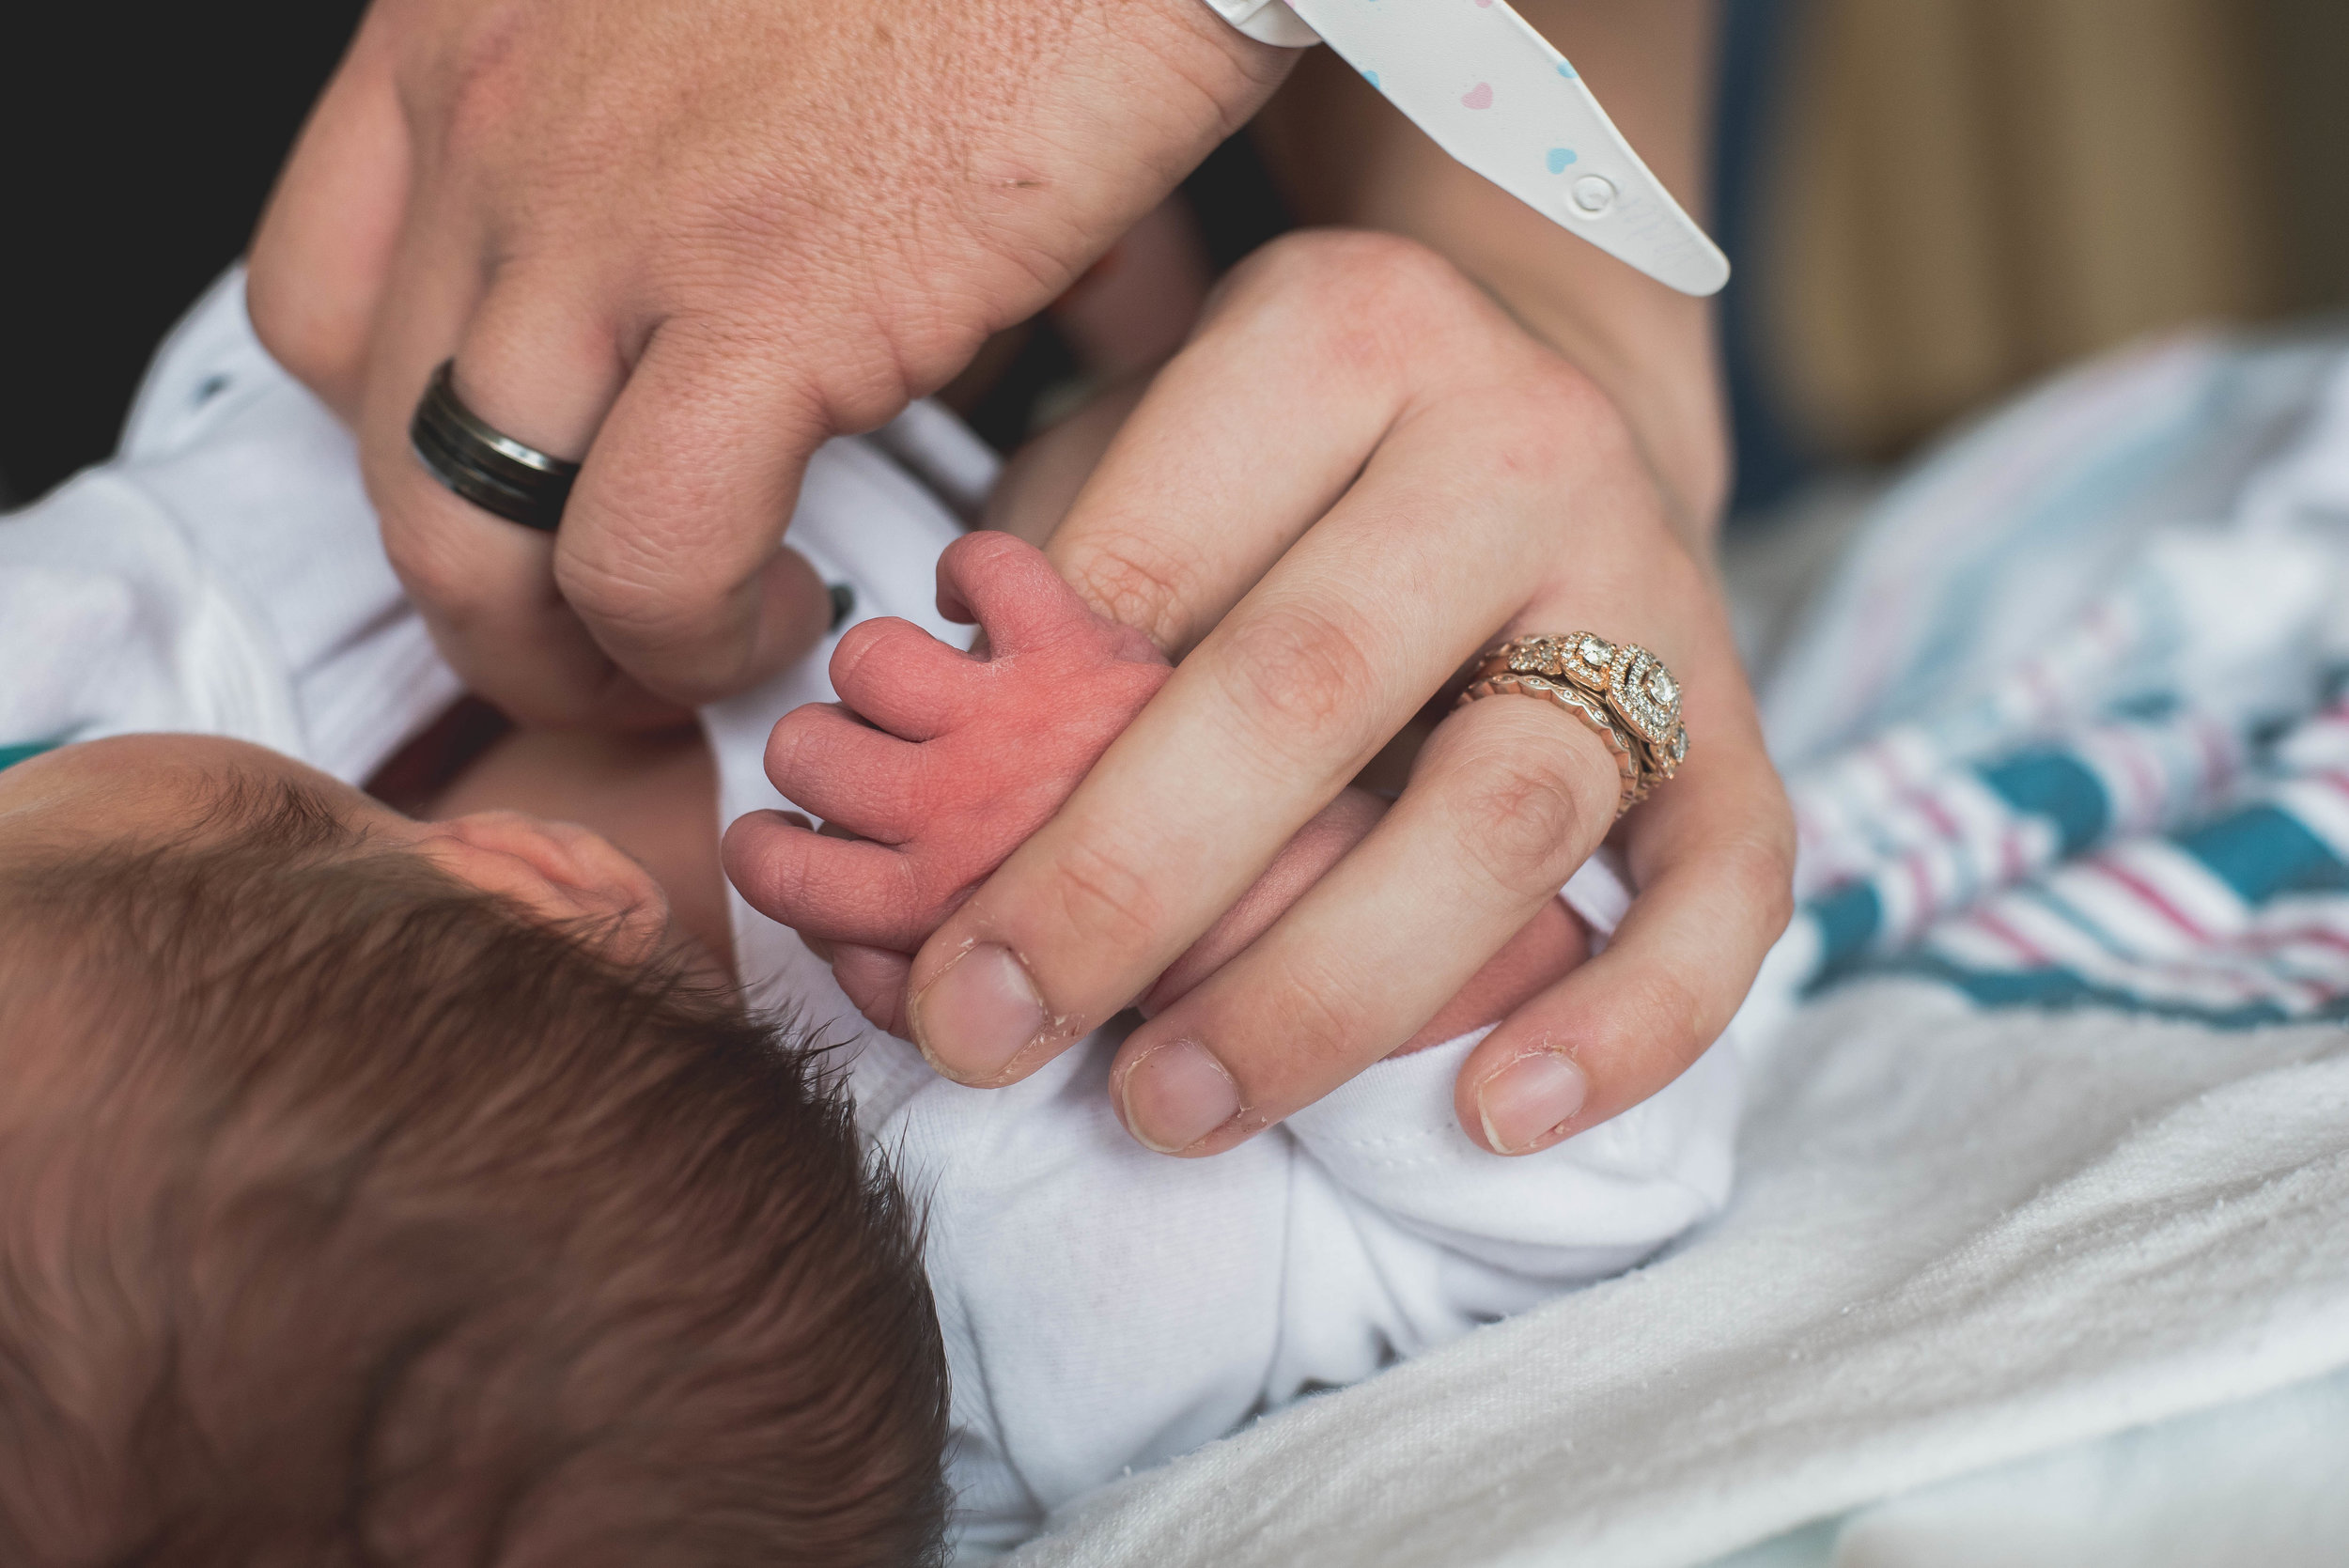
(2058, 990)
(2058, 786)
(1849, 919)
(2053, 785)
(11, 755)
(2262, 851)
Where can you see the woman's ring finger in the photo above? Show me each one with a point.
(1621, 692)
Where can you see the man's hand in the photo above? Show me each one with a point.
(687, 244)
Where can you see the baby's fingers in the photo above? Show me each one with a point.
(874, 978)
(1008, 588)
(822, 761)
(835, 889)
(900, 677)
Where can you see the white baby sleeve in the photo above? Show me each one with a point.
(1404, 1233)
(221, 574)
(111, 624)
(1104, 1308)
(264, 483)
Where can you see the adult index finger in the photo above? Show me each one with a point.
(1509, 797)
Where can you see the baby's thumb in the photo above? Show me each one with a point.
(874, 978)
(1009, 588)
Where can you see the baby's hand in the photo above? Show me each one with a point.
(973, 752)
(941, 763)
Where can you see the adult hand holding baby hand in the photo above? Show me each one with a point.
(936, 764)
(1358, 474)
(687, 244)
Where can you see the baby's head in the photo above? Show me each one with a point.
(377, 1191)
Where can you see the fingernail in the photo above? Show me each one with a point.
(1528, 1099)
(973, 1018)
(1177, 1095)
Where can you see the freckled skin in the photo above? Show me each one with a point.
(937, 764)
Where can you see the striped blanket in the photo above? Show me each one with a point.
(2096, 654)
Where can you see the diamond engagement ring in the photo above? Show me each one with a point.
(1619, 691)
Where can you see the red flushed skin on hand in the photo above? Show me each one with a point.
(941, 763)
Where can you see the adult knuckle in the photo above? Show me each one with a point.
(472, 88)
(1550, 428)
(318, 349)
(1759, 873)
(1360, 299)
(1302, 678)
(1107, 899)
(1321, 1030)
(666, 630)
(433, 569)
(1557, 392)
(1525, 816)
(1137, 581)
(1664, 1014)
(1358, 265)
(624, 594)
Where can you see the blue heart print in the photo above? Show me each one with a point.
(1559, 158)
(1371, 77)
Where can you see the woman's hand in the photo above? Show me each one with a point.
(1361, 470)
(1358, 473)
(687, 243)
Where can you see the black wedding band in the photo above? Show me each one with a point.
(495, 472)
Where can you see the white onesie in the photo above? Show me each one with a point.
(1104, 1308)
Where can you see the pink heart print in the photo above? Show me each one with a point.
(1478, 96)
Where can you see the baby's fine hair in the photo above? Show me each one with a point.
(346, 1217)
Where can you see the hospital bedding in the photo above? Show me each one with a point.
(2042, 1235)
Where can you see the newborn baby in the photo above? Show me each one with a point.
(385, 1176)
(941, 763)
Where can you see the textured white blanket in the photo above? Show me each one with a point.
(1963, 1237)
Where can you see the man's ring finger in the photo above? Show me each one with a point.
(478, 464)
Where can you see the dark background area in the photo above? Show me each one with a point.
(141, 143)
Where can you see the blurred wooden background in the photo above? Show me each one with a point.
(1958, 195)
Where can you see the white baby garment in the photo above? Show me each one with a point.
(1104, 1308)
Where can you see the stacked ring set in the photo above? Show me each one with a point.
(1620, 691)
